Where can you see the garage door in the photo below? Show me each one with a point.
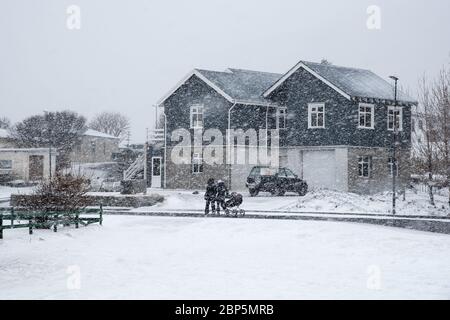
(319, 169)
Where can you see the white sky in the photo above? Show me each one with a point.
(128, 54)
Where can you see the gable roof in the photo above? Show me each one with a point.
(243, 85)
(235, 85)
(95, 133)
(254, 87)
(350, 82)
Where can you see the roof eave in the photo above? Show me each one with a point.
(198, 74)
(384, 101)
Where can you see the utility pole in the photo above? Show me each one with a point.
(49, 135)
(394, 146)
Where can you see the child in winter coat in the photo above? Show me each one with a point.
(222, 193)
(210, 195)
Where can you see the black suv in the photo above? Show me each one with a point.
(274, 180)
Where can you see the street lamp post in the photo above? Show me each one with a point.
(394, 146)
(47, 120)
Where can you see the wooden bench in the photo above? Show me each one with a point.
(14, 218)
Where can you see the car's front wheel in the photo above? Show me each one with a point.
(302, 190)
(253, 192)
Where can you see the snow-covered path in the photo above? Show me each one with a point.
(314, 201)
(186, 258)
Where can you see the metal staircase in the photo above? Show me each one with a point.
(136, 168)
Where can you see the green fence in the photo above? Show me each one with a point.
(14, 218)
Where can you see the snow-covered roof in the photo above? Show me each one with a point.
(351, 82)
(4, 133)
(95, 133)
(254, 87)
(235, 85)
(242, 85)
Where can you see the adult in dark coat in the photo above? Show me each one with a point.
(222, 193)
(210, 195)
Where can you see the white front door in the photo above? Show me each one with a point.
(156, 172)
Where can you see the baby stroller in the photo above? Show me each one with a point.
(233, 203)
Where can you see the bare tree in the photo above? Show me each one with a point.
(425, 153)
(113, 123)
(441, 102)
(61, 130)
(5, 123)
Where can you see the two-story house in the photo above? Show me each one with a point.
(335, 125)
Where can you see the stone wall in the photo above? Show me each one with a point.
(180, 176)
(380, 178)
(94, 149)
(106, 201)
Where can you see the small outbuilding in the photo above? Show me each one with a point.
(32, 164)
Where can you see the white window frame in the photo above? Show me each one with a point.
(391, 167)
(372, 116)
(361, 162)
(195, 111)
(197, 163)
(310, 113)
(400, 116)
(6, 168)
(282, 115)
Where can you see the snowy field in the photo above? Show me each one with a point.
(205, 258)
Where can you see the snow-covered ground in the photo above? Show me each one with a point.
(191, 258)
(5, 193)
(314, 201)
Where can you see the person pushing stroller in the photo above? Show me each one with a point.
(210, 196)
(221, 195)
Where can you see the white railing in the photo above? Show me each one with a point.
(156, 135)
(135, 168)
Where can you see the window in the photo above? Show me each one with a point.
(265, 171)
(196, 116)
(197, 163)
(366, 116)
(391, 167)
(420, 124)
(365, 166)
(289, 173)
(255, 171)
(6, 164)
(281, 118)
(395, 113)
(316, 115)
(93, 147)
(282, 173)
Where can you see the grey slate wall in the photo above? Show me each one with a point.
(341, 118)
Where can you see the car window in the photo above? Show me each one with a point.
(282, 173)
(289, 173)
(254, 172)
(268, 171)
